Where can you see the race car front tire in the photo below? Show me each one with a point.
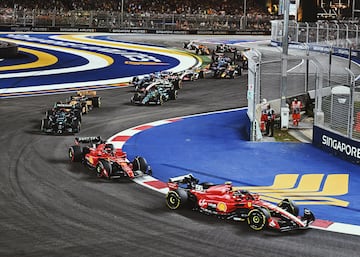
(173, 94)
(75, 153)
(84, 109)
(289, 206)
(139, 163)
(44, 125)
(96, 101)
(257, 219)
(176, 199)
(76, 125)
(104, 169)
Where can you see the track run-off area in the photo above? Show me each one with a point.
(55, 64)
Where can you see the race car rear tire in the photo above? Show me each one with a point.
(75, 153)
(104, 168)
(96, 101)
(139, 163)
(257, 219)
(176, 199)
(289, 206)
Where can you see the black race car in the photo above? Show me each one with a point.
(63, 118)
(156, 93)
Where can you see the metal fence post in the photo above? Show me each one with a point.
(317, 32)
(307, 32)
(351, 104)
(254, 58)
(307, 67)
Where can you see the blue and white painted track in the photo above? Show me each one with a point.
(210, 146)
(58, 61)
(213, 148)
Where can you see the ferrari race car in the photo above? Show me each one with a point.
(85, 101)
(108, 162)
(157, 92)
(63, 118)
(238, 205)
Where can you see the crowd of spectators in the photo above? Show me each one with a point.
(146, 11)
(219, 7)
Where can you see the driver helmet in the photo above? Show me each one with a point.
(109, 148)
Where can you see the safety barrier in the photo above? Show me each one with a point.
(133, 30)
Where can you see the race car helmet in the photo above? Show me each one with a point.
(109, 148)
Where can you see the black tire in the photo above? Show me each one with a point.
(289, 206)
(177, 83)
(76, 125)
(201, 74)
(176, 199)
(104, 167)
(44, 124)
(85, 150)
(139, 163)
(84, 109)
(161, 100)
(257, 219)
(75, 153)
(77, 113)
(173, 94)
(96, 101)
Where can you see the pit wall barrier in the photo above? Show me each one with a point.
(336, 144)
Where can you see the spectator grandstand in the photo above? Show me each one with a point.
(107, 15)
(157, 14)
(224, 7)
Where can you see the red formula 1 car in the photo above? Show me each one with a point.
(106, 160)
(238, 205)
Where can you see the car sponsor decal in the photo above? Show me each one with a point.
(221, 206)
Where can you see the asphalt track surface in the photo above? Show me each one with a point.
(51, 207)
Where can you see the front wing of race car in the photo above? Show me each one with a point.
(283, 220)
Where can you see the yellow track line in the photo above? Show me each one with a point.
(44, 59)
